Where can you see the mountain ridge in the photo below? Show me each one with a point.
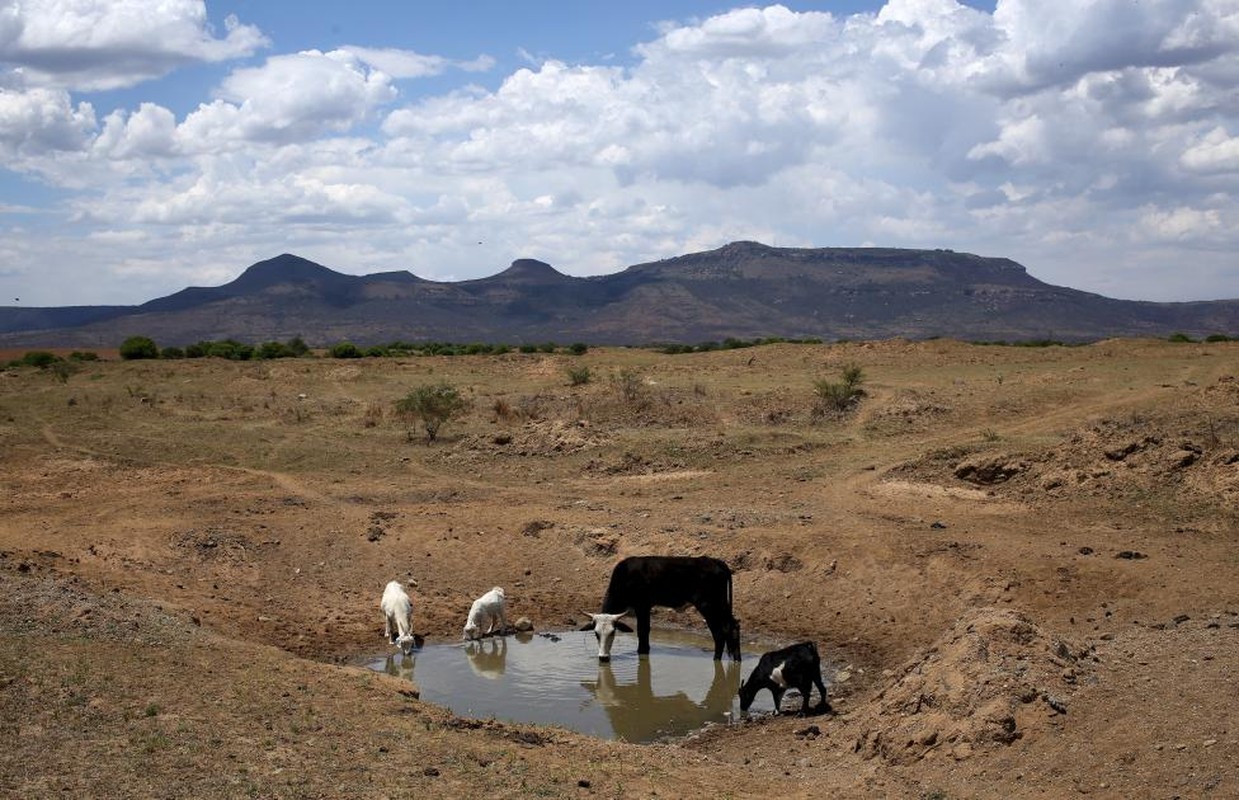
(743, 289)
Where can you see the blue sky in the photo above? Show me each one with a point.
(147, 147)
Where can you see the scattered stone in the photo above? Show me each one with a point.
(584, 784)
(1181, 618)
(524, 624)
(1055, 703)
(536, 527)
(811, 732)
(938, 526)
(430, 772)
(1131, 555)
(1085, 551)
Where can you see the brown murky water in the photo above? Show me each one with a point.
(555, 679)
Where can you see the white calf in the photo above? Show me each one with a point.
(398, 617)
(486, 610)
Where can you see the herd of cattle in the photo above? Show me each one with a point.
(637, 585)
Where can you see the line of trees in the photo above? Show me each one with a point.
(139, 347)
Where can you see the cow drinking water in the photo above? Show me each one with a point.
(797, 666)
(639, 583)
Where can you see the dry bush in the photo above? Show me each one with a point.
(373, 415)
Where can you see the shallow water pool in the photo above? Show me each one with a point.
(555, 679)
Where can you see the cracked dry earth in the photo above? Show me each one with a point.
(1022, 561)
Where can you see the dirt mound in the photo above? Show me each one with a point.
(539, 438)
(990, 680)
(1187, 447)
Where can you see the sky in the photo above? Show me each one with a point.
(148, 146)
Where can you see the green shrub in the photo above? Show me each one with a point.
(230, 349)
(434, 405)
(839, 395)
(529, 348)
(297, 347)
(345, 350)
(80, 355)
(1179, 337)
(136, 347)
(38, 358)
(579, 376)
(578, 348)
(172, 352)
(1217, 337)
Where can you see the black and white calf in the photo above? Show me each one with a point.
(639, 583)
(797, 666)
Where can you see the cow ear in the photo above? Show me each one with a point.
(589, 626)
(623, 626)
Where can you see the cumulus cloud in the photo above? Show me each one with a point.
(43, 120)
(106, 44)
(1076, 137)
(289, 98)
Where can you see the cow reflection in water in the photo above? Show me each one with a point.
(399, 665)
(638, 715)
(488, 657)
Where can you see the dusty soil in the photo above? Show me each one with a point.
(1023, 561)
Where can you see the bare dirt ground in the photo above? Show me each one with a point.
(1024, 561)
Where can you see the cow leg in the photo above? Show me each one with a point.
(805, 691)
(715, 623)
(824, 705)
(778, 698)
(643, 631)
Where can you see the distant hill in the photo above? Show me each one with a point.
(744, 290)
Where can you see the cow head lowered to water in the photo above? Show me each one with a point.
(639, 583)
(604, 627)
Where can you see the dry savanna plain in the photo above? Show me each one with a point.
(1022, 561)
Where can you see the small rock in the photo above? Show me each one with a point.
(1085, 551)
(584, 784)
(812, 732)
(938, 526)
(524, 624)
(1131, 555)
(430, 772)
(1055, 703)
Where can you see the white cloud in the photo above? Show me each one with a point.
(1076, 137)
(105, 44)
(289, 98)
(1217, 151)
(43, 120)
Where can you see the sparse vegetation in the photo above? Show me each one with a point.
(629, 385)
(578, 376)
(1180, 337)
(838, 396)
(433, 405)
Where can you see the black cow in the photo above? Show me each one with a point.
(641, 582)
(798, 666)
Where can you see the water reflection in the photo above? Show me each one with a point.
(488, 657)
(399, 665)
(637, 714)
(554, 678)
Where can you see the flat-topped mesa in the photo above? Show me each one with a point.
(529, 270)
